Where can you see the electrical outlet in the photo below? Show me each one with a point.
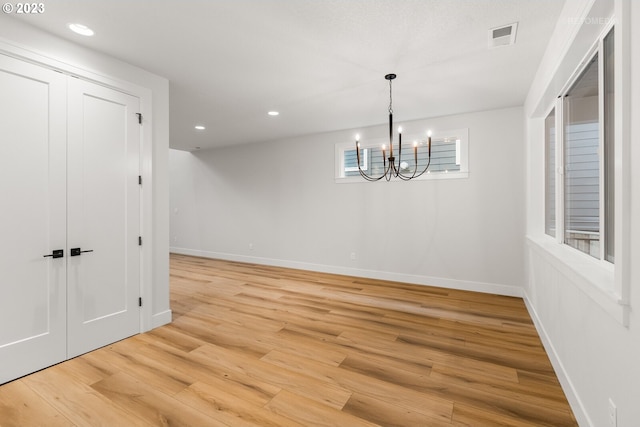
(250, 246)
(353, 256)
(613, 414)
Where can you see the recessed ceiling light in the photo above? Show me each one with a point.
(81, 29)
(200, 127)
(273, 113)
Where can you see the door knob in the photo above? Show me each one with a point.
(78, 251)
(58, 253)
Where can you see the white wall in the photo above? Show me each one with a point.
(282, 198)
(595, 355)
(22, 40)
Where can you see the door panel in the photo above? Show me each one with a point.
(32, 218)
(103, 216)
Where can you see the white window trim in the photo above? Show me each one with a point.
(607, 284)
(593, 277)
(461, 135)
(596, 49)
(365, 160)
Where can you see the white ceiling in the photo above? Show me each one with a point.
(320, 63)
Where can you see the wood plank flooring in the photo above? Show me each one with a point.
(261, 346)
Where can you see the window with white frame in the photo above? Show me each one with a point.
(550, 173)
(579, 168)
(449, 157)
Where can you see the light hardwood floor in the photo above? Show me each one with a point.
(252, 345)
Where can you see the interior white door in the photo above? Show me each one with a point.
(103, 203)
(32, 218)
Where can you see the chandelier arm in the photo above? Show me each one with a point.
(372, 178)
(362, 173)
(425, 168)
(406, 177)
(392, 166)
(389, 170)
(415, 168)
(367, 177)
(399, 157)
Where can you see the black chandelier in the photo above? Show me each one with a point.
(390, 168)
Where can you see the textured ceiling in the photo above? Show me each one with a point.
(320, 63)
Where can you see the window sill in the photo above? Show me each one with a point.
(425, 177)
(593, 277)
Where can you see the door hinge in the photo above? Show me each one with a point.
(139, 240)
(140, 302)
(140, 179)
(139, 117)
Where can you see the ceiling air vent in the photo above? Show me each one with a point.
(503, 36)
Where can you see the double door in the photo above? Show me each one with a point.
(69, 217)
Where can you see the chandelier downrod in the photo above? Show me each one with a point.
(391, 170)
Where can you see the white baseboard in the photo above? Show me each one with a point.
(490, 288)
(160, 319)
(567, 386)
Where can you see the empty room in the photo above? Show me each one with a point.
(320, 213)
